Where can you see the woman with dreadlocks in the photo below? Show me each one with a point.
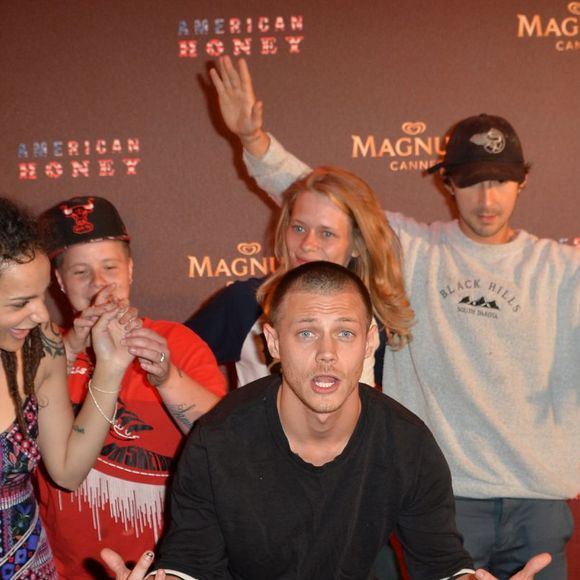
(36, 417)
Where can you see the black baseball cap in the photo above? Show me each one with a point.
(482, 148)
(80, 220)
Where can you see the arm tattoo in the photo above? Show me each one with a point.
(78, 428)
(52, 347)
(178, 412)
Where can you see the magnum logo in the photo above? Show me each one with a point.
(262, 35)
(77, 159)
(248, 264)
(564, 30)
(411, 151)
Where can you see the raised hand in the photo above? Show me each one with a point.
(77, 339)
(242, 113)
(109, 332)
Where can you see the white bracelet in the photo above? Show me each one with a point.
(110, 421)
(91, 386)
(119, 431)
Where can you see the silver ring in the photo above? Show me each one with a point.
(162, 357)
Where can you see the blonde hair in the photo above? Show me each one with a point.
(377, 247)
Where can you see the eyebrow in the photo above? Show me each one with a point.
(313, 319)
(303, 222)
(88, 262)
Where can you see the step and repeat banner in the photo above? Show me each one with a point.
(113, 99)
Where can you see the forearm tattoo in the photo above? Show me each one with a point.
(178, 412)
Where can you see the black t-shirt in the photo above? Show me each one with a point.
(244, 506)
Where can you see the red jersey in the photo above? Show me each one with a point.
(120, 504)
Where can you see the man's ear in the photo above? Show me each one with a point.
(130, 270)
(59, 280)
(272, 340)
(523, 184)
(372, 339)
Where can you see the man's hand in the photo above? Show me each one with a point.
(534, 565)
(117, 566)
(241, 112)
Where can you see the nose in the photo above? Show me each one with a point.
(486, 193)
(40, 314)
(309, 241)
(326, 350)
(99, 280)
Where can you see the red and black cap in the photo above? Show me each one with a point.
(80, 220)
(482, 148)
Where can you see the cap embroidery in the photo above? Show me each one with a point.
(79, 213)
(493, 141)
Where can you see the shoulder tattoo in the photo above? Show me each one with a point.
(52, 347)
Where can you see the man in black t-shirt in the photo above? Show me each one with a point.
(304, 476)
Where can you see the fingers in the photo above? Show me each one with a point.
(91, 314)
(534, 565)
(151, 349)
(129, 315)
(115, 563)
(230, 76)
(104, 295)
(142, 566)
(217, 82)
(228, 80)
(258, 114)
(245, 77)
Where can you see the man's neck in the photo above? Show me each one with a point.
(317, 438)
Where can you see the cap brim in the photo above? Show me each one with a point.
(53, 252)
(472, 173)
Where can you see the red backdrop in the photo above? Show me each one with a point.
(112, 99)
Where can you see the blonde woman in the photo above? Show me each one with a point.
(331, 215)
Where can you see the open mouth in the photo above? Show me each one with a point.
(325, 383)
(20, 333)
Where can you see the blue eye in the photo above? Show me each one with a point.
(298, 229)
(306, 334)
(328, 234)
(346, 334)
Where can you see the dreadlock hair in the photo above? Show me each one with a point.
(379, 261)
(19, 244)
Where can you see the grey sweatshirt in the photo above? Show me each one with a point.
(494, 366)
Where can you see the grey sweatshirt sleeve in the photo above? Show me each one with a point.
(276, 170)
